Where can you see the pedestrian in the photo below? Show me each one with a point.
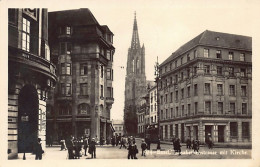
(113, 141)
(132, 151)
(196, 145)
(188, 143)
(135, 150)
(70, 145)
(92, 148)
(177, 146)
(62, 144)
(144, 147)
(77, 148)
(85, 143)
(38, 150)
(148, 142)
(210, 143)
(123, 142)
(117, 140)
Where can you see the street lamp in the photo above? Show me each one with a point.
(157, 78)
(24, 120)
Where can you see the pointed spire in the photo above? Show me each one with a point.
(135, 37)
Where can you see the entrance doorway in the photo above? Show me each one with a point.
(221, 133)
(176, 130)
(195, 133)
(208, 132)
(28, 108)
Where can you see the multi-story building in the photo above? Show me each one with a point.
(206, 89)
(135, 81)
(153, 105)
(83, 51)
(118, 126)
(30, 76)
(143, 114)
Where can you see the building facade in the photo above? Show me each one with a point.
(118, 126)
(153, 106)
(143, 115)
(205, 89)
(31, 76)
(135, 81)
(83, 51)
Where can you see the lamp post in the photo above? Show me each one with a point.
(157, 78)
(24, 120)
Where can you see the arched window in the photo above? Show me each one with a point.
(133, 66)
(84, 109)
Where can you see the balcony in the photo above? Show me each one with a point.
(109, 100)
(31, 61)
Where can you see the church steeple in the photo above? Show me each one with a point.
(135, 37)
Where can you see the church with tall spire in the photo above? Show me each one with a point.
(135, 81)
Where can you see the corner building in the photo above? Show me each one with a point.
(206, 89)
(82, 50)
(31, 75)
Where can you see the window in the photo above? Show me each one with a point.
(62, 48)
(166, 98)
(65, 89)
(68, 30)
(181, 60)
(218, 54)
(166, 82)
(220, 89)
(195, 90)
(243, 72)
(109, 55)
(109, 74)
(83, 69)
(232, 108)
(176, 79)
(220, 107)
(172, 114)
(171, 66)
(177, 112)
(231, 71)
(182, 110)
(244, 108)
(26, 35)
(195, 53)
(171, 97)
(207, 88)
(206, 53)
(84, 109)
(188, 109)
(176, 95)
(65, 68)
(195, 70)
(101, 90)
(109, 92)
(230, 55)
(151, 95)
(161, 114)
(233, 130)
(188, 91)
(83, 89)
(188, 57)
(182, 76)
(219, 70)
(232, 90)
(65, 109)
(151, 108)
(166, 113)
(242, 57)
(182, 93)
(206, 69)
(101, 71)
(208, 107)
(196, 107)
(245, 130)
(243, 91)
(170, 80)
(176, 64)
(188, 73)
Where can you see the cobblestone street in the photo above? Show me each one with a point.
(110, 152)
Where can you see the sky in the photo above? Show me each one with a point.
(163, 27)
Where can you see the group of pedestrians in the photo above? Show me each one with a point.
(75, 147)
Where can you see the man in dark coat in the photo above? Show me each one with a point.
(70, 146)
(38, 150)
(143, 146)
(92, 148)
(85, 143)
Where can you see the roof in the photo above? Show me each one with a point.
(216, 39)
(106, 29)
(81, 16)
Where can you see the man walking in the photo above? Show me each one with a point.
(92, 148)
(38, 150)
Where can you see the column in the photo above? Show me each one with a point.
(227, 132)
(201, 132)
(191, 133)
(250, 131)
(169, 133)
(215, 133)
(239, 130)
(179, 131)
